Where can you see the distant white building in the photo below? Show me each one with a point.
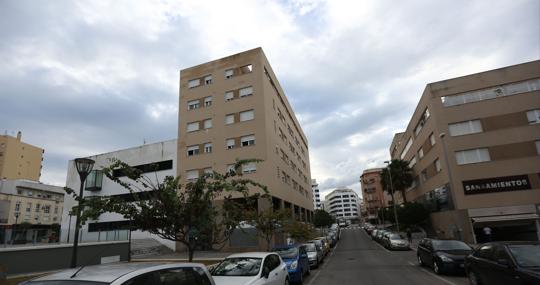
(316, 195)
(343, 203)
(161, 156)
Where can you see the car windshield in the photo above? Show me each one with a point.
(395, 237)
(65, 282)
(287, 253)
(450, 245)
(526, 255)
(238, 266)
(310, 247)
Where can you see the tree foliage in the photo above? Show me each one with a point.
(267, 223)
(401, 175)
(176, 212)
(409, 214)
(299, 231)
(322, 218)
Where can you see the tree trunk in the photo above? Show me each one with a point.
(268, 241)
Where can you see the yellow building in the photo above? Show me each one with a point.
(19, 160)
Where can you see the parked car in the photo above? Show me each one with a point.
(383, 236)
(504, 263)
(251, 268)
(442, 255)
(379, 235)
(326, 244)
(314, 255)
(395, 241)
(130, 274)
(374, 233)
(320, 244)
(297, 260)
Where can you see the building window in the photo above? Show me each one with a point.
(432, 139)
(56, 210)
(246, 69)
(192, 150)
(249, 167)
(207, 148)
(230, 143)
(437, 165)
(406, 149)
(28, 207)
(18, 205)
(208, 79)
(247, 91)
(208, 101)
(229, 119)
(412, 163)
(421, 122)
(194, 83)
(192, 127)
(47, 209)
(246, 116)
(472, 156)
(465, 128)
(229, 73)
(533, 116)
(421, 153)
(208, 123)
(247, 140)
(192, 174)
(193, 104)
(229, 95)
(38, 207)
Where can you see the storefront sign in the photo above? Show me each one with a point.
(496, 184)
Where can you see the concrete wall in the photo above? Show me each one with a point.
(20, 260)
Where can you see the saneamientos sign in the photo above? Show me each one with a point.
(496, 184)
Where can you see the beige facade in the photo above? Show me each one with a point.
(234, 108)
(485, 129)
(372, 192)
(19, 160)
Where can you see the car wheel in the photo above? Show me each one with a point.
(286, 281)
(436, 267)
(420, 262)
(473, 278)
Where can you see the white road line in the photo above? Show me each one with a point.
(322, 267)
(434, 275)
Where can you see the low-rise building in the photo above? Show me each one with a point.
(29, 210)
(111, 226)
(373, 194)
(343, 204)
(473, 144)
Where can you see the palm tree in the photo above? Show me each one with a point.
(401, 175)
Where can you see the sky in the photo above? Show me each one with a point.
(80, 78)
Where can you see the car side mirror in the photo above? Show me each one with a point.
(265, 272)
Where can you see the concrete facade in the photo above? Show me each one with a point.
(234, 108)
(343, 204)
(109, 225)
(317, 205)
(19, 160)
(473, 145)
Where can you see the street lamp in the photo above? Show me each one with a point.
(84, 166)
(393, 195)
(14, 231)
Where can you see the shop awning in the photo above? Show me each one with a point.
(505, 218)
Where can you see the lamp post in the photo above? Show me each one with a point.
(84, 166)
(13, 234)
(393, 195)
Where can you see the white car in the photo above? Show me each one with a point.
(130, 274)
(251, 268)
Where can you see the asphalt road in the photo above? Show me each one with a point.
(359, 260)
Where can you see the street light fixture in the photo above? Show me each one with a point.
(393, 195)
(84, 166)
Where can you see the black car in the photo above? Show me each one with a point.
(504, 263)
(442, 255)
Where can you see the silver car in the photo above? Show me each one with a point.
(130, 274)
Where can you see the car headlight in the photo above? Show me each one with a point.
(445, 258)
(294, 264)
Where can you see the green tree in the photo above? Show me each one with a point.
(401, 175)
(412, 214)
(176, 212)
(267, 223)
(299, 231)
(322, 219)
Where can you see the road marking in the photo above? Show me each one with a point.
(322, 266)
(434, 275)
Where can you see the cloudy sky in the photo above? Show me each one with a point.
(86, 77)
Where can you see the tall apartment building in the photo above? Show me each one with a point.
(372, 192)
(343, 204)
(473, 143)
(19, 160)
(316, 195)
(25, 201)
(156, 160)
(234, 108)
